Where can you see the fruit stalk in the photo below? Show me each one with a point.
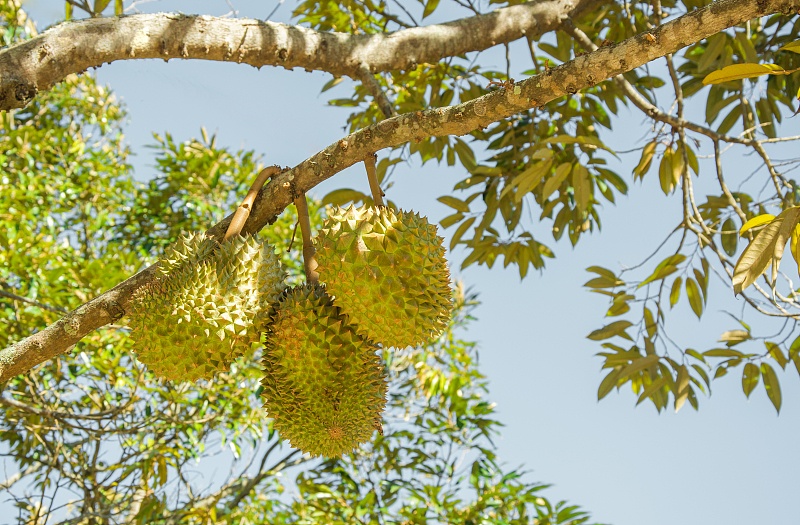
(375, 188)
(309, 261)
(243, 211)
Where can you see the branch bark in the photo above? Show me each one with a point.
(73, 47)
(281, 191)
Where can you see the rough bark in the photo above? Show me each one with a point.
(565, 79)
(73, 47)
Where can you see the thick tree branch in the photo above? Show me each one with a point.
(73, 47)
(565, 79)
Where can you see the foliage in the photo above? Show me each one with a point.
(95, 437)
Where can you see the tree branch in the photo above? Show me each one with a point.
(568, 78)
(73, 47)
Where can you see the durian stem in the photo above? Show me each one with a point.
(243, 211)
(309, 261)
(375, 188)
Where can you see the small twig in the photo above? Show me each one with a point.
(243, 211)
(375, 188)
(16, 297)
(368, 79)
(309, 262)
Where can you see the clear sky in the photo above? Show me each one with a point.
(733, 462)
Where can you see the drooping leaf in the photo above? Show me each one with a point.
(456, 204)
(772, 385)
(750, 378)
(682, 389)
(728, 237)
(675, 293)
(695, 300)
(647, 158)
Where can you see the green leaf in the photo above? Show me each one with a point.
(695, 300)
(771, 385)
(608, 383)
(756, 221)
(454, 203)
(592, 142)
(740, 71)
(460, 231)
(430, 7)
(675, 293)
(119, 9)
(777, 354)
(728, 237)
(650, 325)
(554, 182)
(343, 196)
(750, 378)
(667, 267)
(617, 328)
(582, 184)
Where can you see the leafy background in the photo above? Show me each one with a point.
(626, 465)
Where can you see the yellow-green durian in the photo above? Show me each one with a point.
(198, 317)
(323, 384)
(387, 270)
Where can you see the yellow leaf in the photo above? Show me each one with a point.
(756, 257)
(791, 46)
(739, 71)
(758, 220)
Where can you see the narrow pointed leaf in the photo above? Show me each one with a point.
(750, 377)
(739, 71)
(771, 385)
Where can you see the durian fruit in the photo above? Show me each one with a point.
(324, 384)
(199, 315)
(386, 269)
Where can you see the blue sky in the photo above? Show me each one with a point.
(733, 462)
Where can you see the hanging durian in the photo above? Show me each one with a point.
(198, 317)
(387, 270)
(323, 384)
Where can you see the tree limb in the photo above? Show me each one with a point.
(568, 78)
(73, 47)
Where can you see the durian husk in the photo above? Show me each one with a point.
(194, 320)
(323, 384)
(387, 270)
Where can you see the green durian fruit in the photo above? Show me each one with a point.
(323, 383)
(386, 269)
(200, 314)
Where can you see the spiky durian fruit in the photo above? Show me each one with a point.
(199, 315)
(386, 269)
(323, 385)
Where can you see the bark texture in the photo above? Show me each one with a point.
(566, 79)
(73, 47)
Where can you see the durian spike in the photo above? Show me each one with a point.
(243, 211)
(375, 188)
(309, 261)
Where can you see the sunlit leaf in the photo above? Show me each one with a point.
(750, 378)
(695, 300)
(682, 388)
(771, 385)
(756, 221)
(791, 46)
(740, 71)
(647, 158)
(675, 293)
